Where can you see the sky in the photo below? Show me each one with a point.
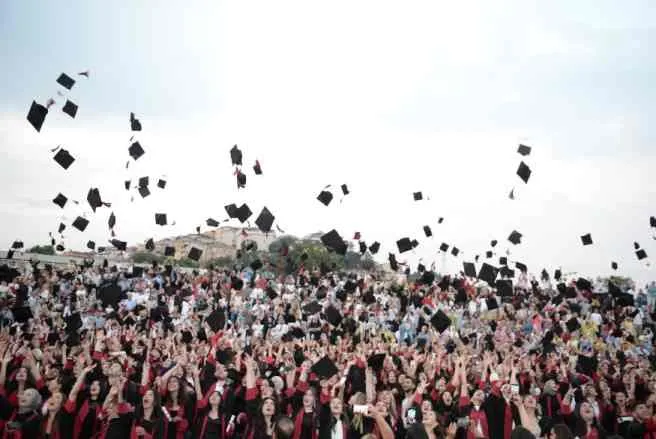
(387, 97)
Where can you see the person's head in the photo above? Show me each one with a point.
(426, 406)
(215, 399)
(22, 374)
(530, 402)
(336, 407)
(550, 387)
(173, 384)
(590, 391)
(447, 398)
(284, 428)
(641, 412)
(309, 399)
(268, 407)
(521, 433)
(382, 407)
(506, 391)
(391, 377)
(29, 400)
(560, 431)
(620, 398)
(478, 397)
(408, 385)
(220, 372)
(266, 390)
(54, 402)
(586, 412)
(94, 389)
(149, 399)
(429, 417)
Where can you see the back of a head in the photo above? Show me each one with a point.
(521, 433)
(562, 431)
(284, 428)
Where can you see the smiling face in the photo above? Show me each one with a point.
(268, 407)
(336, 407)
(94, 389)
(21, 375)
(54, 402)
(587, 414)
(308, 399)
(215, 399)
(148, 399)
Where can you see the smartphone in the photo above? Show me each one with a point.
(463, 422)
(360, 409)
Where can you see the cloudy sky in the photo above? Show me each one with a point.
(388, 97)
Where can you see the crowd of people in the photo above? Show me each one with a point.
(97, 352)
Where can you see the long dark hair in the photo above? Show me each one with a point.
(259, 423)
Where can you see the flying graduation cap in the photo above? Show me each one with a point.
(60, 200)
(80, 223)
(118, 244)
(160, 219)
(112, 220)
(70, 108)
(241, 179)
(265, 220)
(586, 239)
(257, 168)
(235, 156)
(65, 81)
(150, 244)
(93, 197)
(417, 196)
(136, 151)
(195, 254)
(515, 237)
(641, 254)
(404, 245)
(64, 158)
(37, 115)
(161, 183)
(325, 197)
(135, 125)
(373, 248)
(333, 241)
(428, 232)
(524, 172)
(524, 150)
(211, 222)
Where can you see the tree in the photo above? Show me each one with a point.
(189, 263)
(222, 262)
(147, 258)
(282, 242)
(42, 250)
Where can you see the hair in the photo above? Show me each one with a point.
(562, 431)
(35, 399)
(284, 428)
(521, 433)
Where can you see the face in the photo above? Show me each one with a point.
(173, 384)
(381, 407)
(25, 399)
(308, 399)
(426, 407)
(641, 412)
(478, 397)
(336, 407)
(529, 401)
(586, 412)
(550, 386)
(407, 385)
(447, 398)
(94, 389)
(21, 375)
(266, 389)
(148, 399)
(391, 377)
(269, 408)
(506, 391)
(620, 398)
(54, 402)
(429, 418)
(215, 399)
(220, 372)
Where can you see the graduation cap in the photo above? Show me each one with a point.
(417, 196)
(257, 168)
(93, 197)
(195, 253)
(333, 316)
(428, 232)
(636, 246)
(256, 265)
(61, 228)
(216, 320)
(652, 221)
(325, 368)
(504, 287)
(521, 267)
(22, 314)
(169, 251)
(583, 284)
(503, 260)
(641, 254)
(135, 150)
(573, 324)
(325, 197)
(440, 321)
(469, 269)
(312, 308)
(144, 191)
(235, 156)
(345, 190)
(232, 210)
(150, 244)
(444, 247)
(264, 220)
(110, 294)
(373, 248)
(524, 172)
(37, 115)
(455, 251)
(211, 222)
(515, 237)
(404, 245)
(59, 248)
(118, 244)
(493, 243)
(70, 108)
(135, 125)
(143, 181)
(60, 200)
(160, 219)
(91, 245)
(356, 236)
(161, 183)
(511, 195)
(127, 185)
(488, 273)
(65, 81)
(613, 265)
(524, 150)
(243, 213)
(363, 247)
(64, 158)
(241, 179)
(586, 239)
(333, 241)
(506, 272)
(376, 362)
(558, 274)
(440, 220)
(80, 223)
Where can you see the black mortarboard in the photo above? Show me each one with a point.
(544, 275)
(488, 273)
(521, 267)
(345, 190)
(363, 247)
(504, 287)
(440, 220)
(235, 156)
(573, 324)
(61, 228)
(37, 115)
(333, 316)
(144, 191)
(373, 248)
(70, 108)
(417, 196)
(91, 245)
(264, 220)
(257, 168)
(65, 81)
(169, 251)
(18, 244)
(232, 210)
(241, 179)
(143, 181)
(135, 125)
(524, 172)
(440, 321)
(636, 246)
(515, 237)
(652, 221)
(60, 248)
(325, 368)
(506, 272)
(195, 253)
(161, 183)
(312, 308)
(80, 223)
(586, 365)
(110, 294)
(243, 213)
(583, 284)
(493, 243)
(558, 274)
(404, 245)
(641, 254)
(392, 261)
(111, 222)
(469, 268)
(455, 251)
(160, 219)
(325, 197)
(211, 222)
(135, 150)
(64, 158)
(444, 247)
(120, 245)
(127, 185)
(60, 200)
(334, 241)
(93, 197)
(524, 150)
(150, 244)
(586, 239)
(421, 268)
(492, 303)
(503, 260)
(376, 362)
(613, 265)
(22, 314)
(488, 254)
(216, 320)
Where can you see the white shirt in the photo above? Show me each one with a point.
(338, 431)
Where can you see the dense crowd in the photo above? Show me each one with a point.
(99, 352)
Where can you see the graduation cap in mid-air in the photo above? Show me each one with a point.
(417, 196)
(373, 248)
(80, 223)
(515, 237)
(444, 247)
(524, 150)
(93, 198)
(641, 254)
(111, 222)
(257, 168)
(325, 197)
(135, 125)
(469, 269)
(243, 213)
(333, 241)
(118, 244)
(160, 219)
(161, 183)
(64, 158)
(169, 251)
(345, 190)
(524, 172)
(394, 265)
(61, 228)
(440, 321)
(136, 151)
(211, 222)
(325, 368)
(455, 251)
(70, 108)
(404, 245)
(65, 81)
(60, 200)
(265, 220)
(195, 254)
(613, 265)
(428, 232)
(91, 245)
(488, 273)
(150, 244)
(586, 239)
(241, 179)
(235, 156)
